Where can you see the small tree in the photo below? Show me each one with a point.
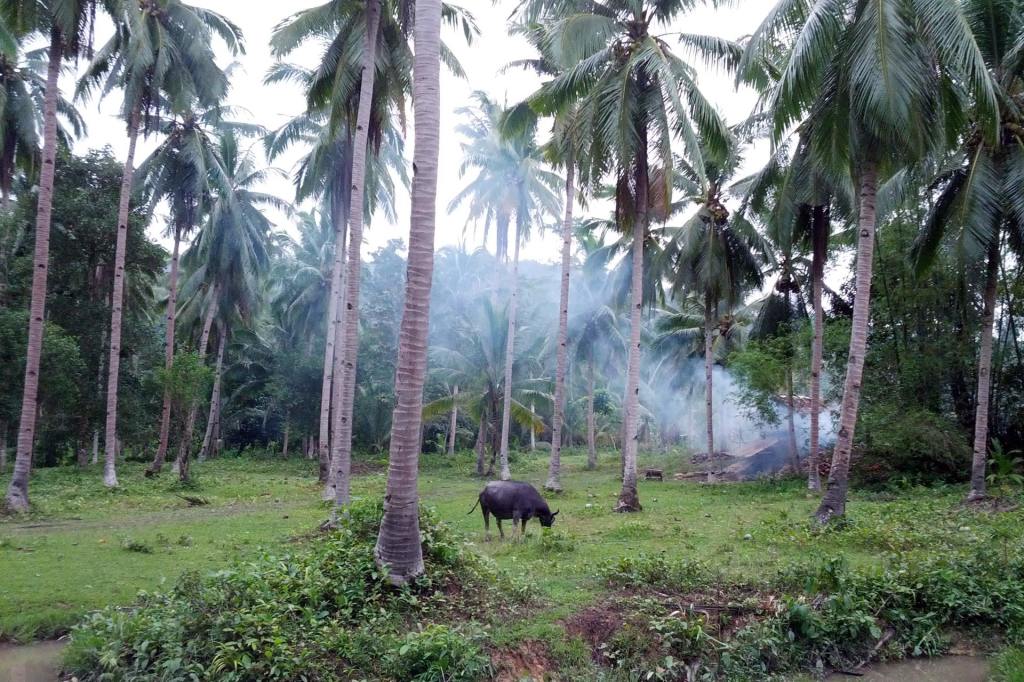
(186, 382)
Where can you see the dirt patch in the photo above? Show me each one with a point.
(531, 660)
(595, 626)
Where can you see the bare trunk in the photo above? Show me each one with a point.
(284, 446)
(454, 424)
(557, 418)
(481, 446)
(794, 452)
(341, 444)
(709, 363)
(978, 488)
(339, 215)
(510, 342)
(591, 421)
(533, 431)
(172, 305)
(117, 303)
(17, 491)
(819, 238)
(834, 501)
(398, 546)
(629, 498)
(213, 418)
(3, 447)
(185, 446)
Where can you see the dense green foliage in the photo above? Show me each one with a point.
(320, 612)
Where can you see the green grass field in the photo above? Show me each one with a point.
(85, 547)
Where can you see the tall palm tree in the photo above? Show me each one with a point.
(231, 254)
(68, 24)
(345, 91)
(511, 186)
(979, 201)
(324, 172)
(185, 170)
(160, 55)
(398, 544)
(562, 150)
(796, 204)
(712, 257)
(634, 96)
(876, 82)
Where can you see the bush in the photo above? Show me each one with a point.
(323, 612)
(915, 445)
(823, 615)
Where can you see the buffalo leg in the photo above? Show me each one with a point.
(487, 525)
(523, 533)
(500, 531)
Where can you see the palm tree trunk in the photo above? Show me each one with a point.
(481, 446)
(794, 452)
(341, 444)
(3, 447)
(17, 491)
(591, 421)
(454, 424)
(114, 362)
(398, 546)
(555, 468)
(834, 501)
(510, 341)
(819, 248)
(709, 362)
(629, 498)
(339, 214)
(213, 416)
(284, 446)
(184, 448)
(172, 303)
(978, 490)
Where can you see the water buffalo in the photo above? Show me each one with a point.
(512, 500)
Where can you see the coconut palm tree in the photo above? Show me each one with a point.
(796, 204)
(712, 256)
(185, 170)
(323, 172)
(68, 24)
(875, 82)
(398, 544)
(979, 202)
(562, 150)
(231, 254)
(634, 96)
(511, 186)
(160, 56)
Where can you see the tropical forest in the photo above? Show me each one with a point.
(514, 340)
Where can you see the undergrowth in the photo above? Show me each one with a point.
(325, 611)
(684, 621)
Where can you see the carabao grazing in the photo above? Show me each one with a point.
(512, 500)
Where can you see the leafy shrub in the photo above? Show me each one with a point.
(438, 653)
(1009, 666)
(322, 612)
(902, 441)
(814, 616)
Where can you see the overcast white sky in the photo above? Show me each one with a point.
(483, 62)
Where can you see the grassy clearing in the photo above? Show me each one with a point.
(85, 547)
